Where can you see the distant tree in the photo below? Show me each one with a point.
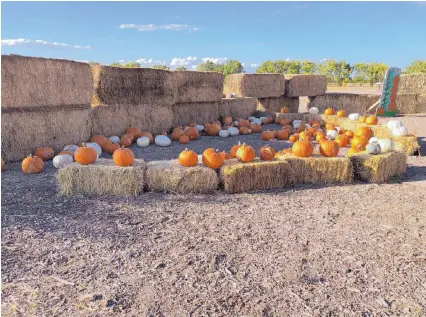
(94, 63)
(416, 66)
(207, 66)
(232, 67)
(160, 67)
(132, 65)
(180, 68)
(116, 64)
(267, 67)
(360, 73)
(307, 67)
(280, 67)
(376, 72)
(335, 72)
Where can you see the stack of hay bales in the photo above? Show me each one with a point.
(240, 107)
(351, 103)
(44, 103)
(305, 85)
(411, 96)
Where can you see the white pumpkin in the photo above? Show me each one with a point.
(313, 110)
(143, 141)
(199, 127)
(386, 145)
(114, 139)
(251, 118)
(224, 133)
(401, 131)
(392, 124)
(332, 134)
(62, 160)
(373, 148)
(96, 146)
(162, 140)
(257, 121)
(296, 123)
(233, 131)
(373, 140)
(354, 116)
(71, 148)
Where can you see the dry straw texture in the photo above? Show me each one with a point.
(406, 144)
(351, 103)
(195, 86)
(113, 120)
(242, 107)
(255, 85)
(29, 82)
(133, 86)
(379, 131)
(305, 85)
(197, 112)
(239, 177)
(378, 168)
(412, 84)
(274, 104)
(102, 178)
(407, 104)
(169, 176)
(333, 119)
(22, 132)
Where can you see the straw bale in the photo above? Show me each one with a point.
(333, 119)
(198, 112)
(242, 107)
(378, 168)
(195, 86)
(169, 176)
(351, 103)
(412, 84)
(305, 85)
(239, 177)
(102, 178)
(406, 144)
(255, 85)
(379, 130)
(133, 86)
(30, 82)
(290, 116)
(308, 117)
(23, 131)
(407, 104)
(274, 104)
(113, 120)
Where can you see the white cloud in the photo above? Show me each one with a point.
(288, 59)
(154, 27)
(215, 60)
(254, 65)
(243, 64)
(15, 42)
(121, 61)
(176, 61)
(193, 66)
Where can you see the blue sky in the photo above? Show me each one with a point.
(185, 33)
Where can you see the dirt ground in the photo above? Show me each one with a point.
(355, 250)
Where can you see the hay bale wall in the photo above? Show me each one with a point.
(169, 176)
(242, 107)
(407, 104)
(197, 112)
(305, 85)
(195, 86)
(274, 104)
(255, 85)
(406, 144)
(351, 103)
(412, 84)
(102, 178)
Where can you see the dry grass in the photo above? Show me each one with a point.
(242, 107)
(255, 85)
(169, 176)
(30, 82)
(198, 112)
(406, 144)
(239, 177)
(102, 178)
(412, 84)
(113, 120)
(351, 103)
(23, 131)
(195, 86)
(378, 168)
(333, 119)
(407, 104)
(274, 104)
(305, 85)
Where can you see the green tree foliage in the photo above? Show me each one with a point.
(160, 67)
(180, 68)
(307, 67)
(230, 67)
(207, 66)
(116, 64)
(416, 66)
(376, 72)
(360, 73)
(127, 65)
(336, 71)
(280, 67)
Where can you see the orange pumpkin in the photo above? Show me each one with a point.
(213, 129)
(285, 121)
(283, 135)
(284, 110)
(66, 153)
(176, 135)
(226, 156)
(342, 130)
(234, 149)
(45, 153)
(305, 135)
(244, 130)
(183, 139)
(192, 133)
(85, 155)
(99, 139)
(227, 120)
(255, 128)
(302, 148)
(123, 157)
(126, 140)
(213, 159)
(329, 148)
(32, 165)
(364, 131)
(243, 123)
(293, 138)
(110, 148)
(266, 153)
(131, 137)
(278, 120)
(359, 142)
(148, 135)
(135, 132)
(342, 140)
(320, 137)
(349, 133)
(341, 113)
(371, 120)
(188, 158)
(245, 153)
(329, 112)
(267, 135)
(362, 119)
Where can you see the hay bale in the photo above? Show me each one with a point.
(308, 117)
(406, 144)
(169, 176)
(333, 119)
(30, 82)
(412, 84)
(378, 168)
(274, 104)
(102, 178)
(23, 131)
(198, 112)
(255, 85)
(195, 86)
(133, 86)
(305, 85)
(239, 177)
(113, 120)
(379, 130)
(242, 107)
(351, 103)
(407, 104)
(290, 116)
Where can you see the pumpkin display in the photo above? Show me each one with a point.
(332, 134)
(341, 113)
(371, 120)
(266, 153)
(364, 131)
(67, 153)
(135, 132)
(302, 148)
(342, 140)
(313, 110)
(234, 149)
(233, 131)
(284, 110)
(192, 133)
(32, 165)
(99, 139)
(148, 135)
(70, 148)
(373, 148)
(305, 135)
(329, 148)
(329, 112)
(213, 159)
(362, 119)
(114, 139)
(245, 153)
(354, 116)
(399, 131)
(293, 138)
(255, 128)
(85, 155)
(283, 135)
(267, 135)
(162, 140)
(223, 133)
(386, 145)
(244, 130)
(227, 120)
(359, 142)
(3, 165)
(183, 139)
(188, 158)
(143, 141)
(62, 160)
(200, 127)
(243, 123)
(123, 157)
(110, 148)
(349, 134)
(213, 129)
(320, 137)
(45, 153)
(176, 134)
(126, 140)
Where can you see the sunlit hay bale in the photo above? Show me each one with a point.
(333, 119)
(351, 103)
(305, 85)
(412, 84)
(274, 104)
(317, 117)
(255, 85)
(170, 176)
(102, 178)
(406, 144)
(407, 104)
(193, 86)
(378, 168)
(242, 107)
(349, 124)
(198, 112)
(239, 177)
(379, 131)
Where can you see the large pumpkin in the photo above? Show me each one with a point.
(329, 148)
(267, 135)
(234, 149)
(213, 159)
(85, 155)
(188, 158)
(192, 133)
(135, 132)
(266, 153)
(32, 165)
(45, 153)
(246, 153)
(123, 157)
(213, 129)
(302, 148)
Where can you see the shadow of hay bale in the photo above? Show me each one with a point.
(241, 107)
(274, 104)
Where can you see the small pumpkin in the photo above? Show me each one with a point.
(329, 148)
(114, 139)
(162, 140)
(342, 140)
(62, 160)
(148, 135)
(213, 159)
(267, 135)
(332, 134)
(255, 128)
(143, 141)
(371, 120)
(126, 140)
(85, 155)
(266, 153)
(245, 153)
(135, 132)
(192, 133)
(341, 113)
(243, 130)
(176, 134)
(386, 145)
(359, 142)
(243, 123)
(99, 139)
(313, 110)
(183, 139)
(188, 158)
(45, 153)
(110, 148)
(302, 148)
(123, 157)
(284, 110)
(349, 134)
(32, 165)
(283, 135)
(364, 131)
(354, 116)
(329, 112)
(227, 120)
(223, 133)
(362, 119)
(233, 131)
(293, 138)
(373, 148)
(234, 149)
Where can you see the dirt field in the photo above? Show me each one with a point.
(356, 250)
